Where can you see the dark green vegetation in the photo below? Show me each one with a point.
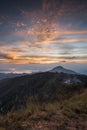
(43, 102)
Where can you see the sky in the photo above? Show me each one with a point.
(37, 35)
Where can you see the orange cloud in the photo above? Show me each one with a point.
(15, 50)
(21, 24)
(26, 59)
(71, 40)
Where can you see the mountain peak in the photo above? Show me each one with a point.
(60, 69)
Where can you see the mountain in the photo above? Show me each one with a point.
(40, 87)
(60, 69)
(9, 75)
(49, 101)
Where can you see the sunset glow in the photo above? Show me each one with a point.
(42, 32)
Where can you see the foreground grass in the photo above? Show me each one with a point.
(76, 105)
(2, 128)
(67, 115)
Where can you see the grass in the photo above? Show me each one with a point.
(77, 106)
(1, 128)
(58, 114)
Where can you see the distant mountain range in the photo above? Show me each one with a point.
(58, 69)
(9, 75)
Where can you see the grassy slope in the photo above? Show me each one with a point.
(64, 106)
(68, 115)
(41, 87)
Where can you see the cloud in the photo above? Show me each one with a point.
(1, 23)
(15, 50)
(46, 31)
(21, 24)
(49, 5)
(47, 35)
(5, 56)
(25, 59)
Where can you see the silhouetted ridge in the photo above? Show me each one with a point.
(41, 87)
(60, 69)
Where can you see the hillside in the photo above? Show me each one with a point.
(44, 101)
(42, 87)
(70, 114)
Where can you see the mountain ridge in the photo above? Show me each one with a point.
(41, 87)
(60, 69)
(10, 75)
(44, 100)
